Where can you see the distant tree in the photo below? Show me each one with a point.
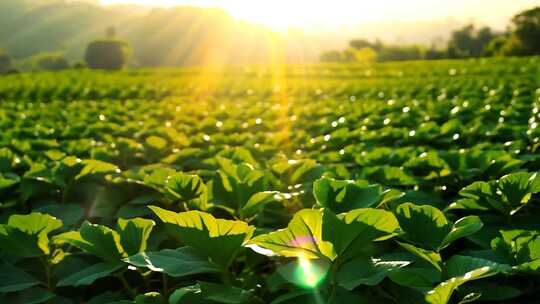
(50, 61)
(366, 54)
(111, 32)
(496, 47)
(400, 53)
(434, 53)
(359, 44)
(107, 54)
(79, 65)
(469, 42)
(5, 62)
(526, 26)
(332, 56)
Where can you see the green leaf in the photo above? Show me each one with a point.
(27, 235)
(225, 293)
(89, 275)
(176, 263)
(302, 273)
(8, 180)
(211, 293)
(93, 167)
(442, 293)
(491, 291)
(417, 277)
(156, 142)
(234, 185)
(429, 256)
(476, 196)
(34, 223)
(188, 295)
(517, 189)
(521, 247)
(14, 279)
(416, 220)
(6, 159)
(316, 234)
(297, 296)
(98, 240)
(149, 298)
(257, 203)
(472, 297)
(69, 214)
(17, 243)
(366, 271)
(185, 186)
(506, 195)
(106, 297)
(31, 296)
(134, 234)
(462, 228)
(345, 195)
(205, 233)
(459, 265)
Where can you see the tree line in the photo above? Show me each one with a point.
(521, 39)
(109, 53)
(36, 31)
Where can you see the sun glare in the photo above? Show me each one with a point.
(282, 14)
(321, 15)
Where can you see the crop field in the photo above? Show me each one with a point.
(409, 183)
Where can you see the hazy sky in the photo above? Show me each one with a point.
(335, 13)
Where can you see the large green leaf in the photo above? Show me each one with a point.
(462, 228)
(366, 271)
(257, 202)
(516, 189)
(89, 275)
(225, 293)
(345, 195)
(14, 279)
(33, 295)
(98, 240)
(234, 184)
(134, 234)
(17, 243)
(149, 298)
(434, 258)
(443, 292)
(27, 235)
(459, 265)
(185, 186)
(189, 295)
(520, 247)
(69, 214)
(6, 159)
(211, 293)
(321, 234)
(507, 195)
(96, 167)
(416, 220)
(176, 263)
(205, 233)
(8, 180)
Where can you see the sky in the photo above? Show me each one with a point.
(282, 14)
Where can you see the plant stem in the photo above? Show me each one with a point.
(165, 285)
(125, 283)
(47, 272)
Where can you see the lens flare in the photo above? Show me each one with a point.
(310, 273)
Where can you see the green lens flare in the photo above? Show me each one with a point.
(310, 272)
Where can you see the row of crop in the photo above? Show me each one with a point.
(319, 256)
